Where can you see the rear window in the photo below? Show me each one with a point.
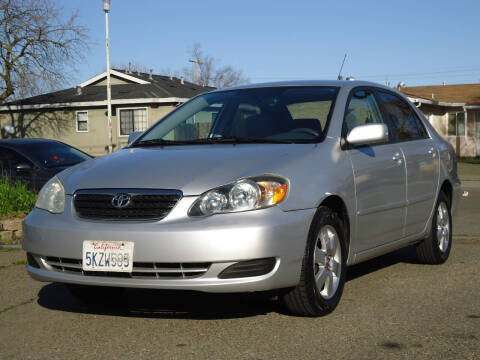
(53, 154)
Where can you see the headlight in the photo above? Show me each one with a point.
(245, 194)
(52, 196)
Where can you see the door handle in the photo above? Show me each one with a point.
(432, 152)
(397, 158)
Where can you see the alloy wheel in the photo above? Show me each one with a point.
(443, 227)
(327, 261)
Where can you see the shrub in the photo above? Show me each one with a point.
(15, 198)
(469, 160)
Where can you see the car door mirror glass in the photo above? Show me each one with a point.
(368, 134)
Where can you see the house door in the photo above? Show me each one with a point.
(477, 133)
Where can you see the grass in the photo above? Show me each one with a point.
(469, 160)
(15, 263)
(15, 198)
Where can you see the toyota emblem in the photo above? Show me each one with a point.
(121, 201)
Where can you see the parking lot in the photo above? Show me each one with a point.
(392, 307)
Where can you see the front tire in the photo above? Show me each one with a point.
(436, 248)
(323, 270)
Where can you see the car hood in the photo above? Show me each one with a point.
(191, 169)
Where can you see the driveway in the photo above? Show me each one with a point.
(392, 308)
(467, 218)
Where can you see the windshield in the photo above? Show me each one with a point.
(273, 114)
(54, 154)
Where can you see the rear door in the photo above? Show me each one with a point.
(380, 177)
(421, 160)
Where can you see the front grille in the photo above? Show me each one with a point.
(143, 204)
(141, 270)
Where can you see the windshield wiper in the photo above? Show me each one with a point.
(245, 140)
(212, 140)
(156, 142)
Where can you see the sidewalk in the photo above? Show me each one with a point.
(11, 257)
(469, 172)
(467, 219)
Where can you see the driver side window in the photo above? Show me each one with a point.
(362, 109)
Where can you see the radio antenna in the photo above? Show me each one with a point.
(339, 77)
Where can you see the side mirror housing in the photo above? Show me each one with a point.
(22, 167)
(368, 134)
(134, 136)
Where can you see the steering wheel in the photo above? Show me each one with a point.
(307, 131)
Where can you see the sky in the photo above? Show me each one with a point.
(418, 42)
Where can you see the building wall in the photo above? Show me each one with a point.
(113, 81)
(468, 145)
(436, 117)
(61, 125)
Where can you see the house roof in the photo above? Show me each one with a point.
(116, 73)
(462, 94)
(142, 89)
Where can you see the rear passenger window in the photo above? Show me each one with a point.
(362, 109)
(406, 124)
(9, 159)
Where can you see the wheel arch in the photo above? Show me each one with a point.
(336, 203)
(447, 189)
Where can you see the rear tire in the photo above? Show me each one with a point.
(95, 294)
(436, 248)
(323, 270)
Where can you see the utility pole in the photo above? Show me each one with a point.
(197, 62)
(106, 8)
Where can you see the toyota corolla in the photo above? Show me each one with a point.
(275, 186)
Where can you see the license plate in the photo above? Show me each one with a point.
(107, 256)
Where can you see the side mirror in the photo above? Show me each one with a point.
(22, 167)
(134, 136)
(368, 134)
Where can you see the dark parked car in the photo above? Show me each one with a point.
(35, 161)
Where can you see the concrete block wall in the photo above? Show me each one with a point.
(11, 231)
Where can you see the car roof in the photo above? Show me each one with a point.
(337, 83)
(19, 142)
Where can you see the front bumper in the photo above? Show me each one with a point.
(220, 240)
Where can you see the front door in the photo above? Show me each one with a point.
(380, 178)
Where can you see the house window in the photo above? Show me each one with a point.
(456, 124)
(82, 121)
(132, 120)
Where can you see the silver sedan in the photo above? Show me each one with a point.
(263, 187)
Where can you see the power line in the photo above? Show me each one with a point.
(432, 74)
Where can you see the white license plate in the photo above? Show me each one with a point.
(107, 256)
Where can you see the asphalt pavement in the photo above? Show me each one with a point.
(392, 308)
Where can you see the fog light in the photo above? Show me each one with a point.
(248, 268)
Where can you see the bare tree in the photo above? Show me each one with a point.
(167, 71)
(36, 44)
(210, 74)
